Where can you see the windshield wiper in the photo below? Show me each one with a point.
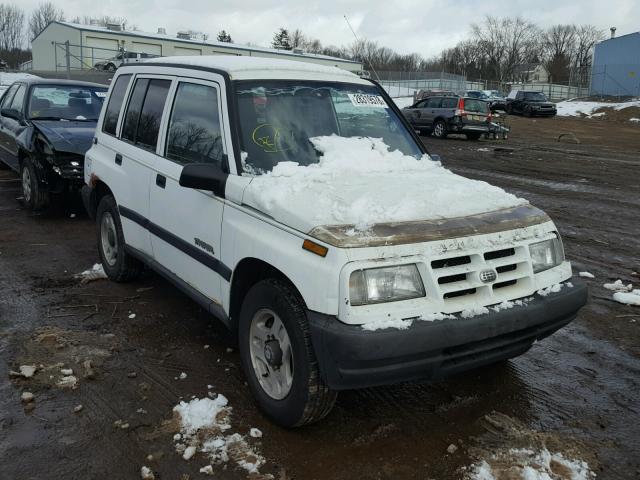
(46, 118)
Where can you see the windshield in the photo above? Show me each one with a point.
(66, 102)
(277, 119)
(535, 96)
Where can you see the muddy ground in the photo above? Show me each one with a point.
(576, 392)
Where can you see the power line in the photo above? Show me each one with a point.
(358, 40)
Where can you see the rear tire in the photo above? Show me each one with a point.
(35, 197)
(117, 263)
(110, 67)
(440, 129)
(508, 109)
(287, 385)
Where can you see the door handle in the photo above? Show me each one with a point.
(161, 180)
(118, 159)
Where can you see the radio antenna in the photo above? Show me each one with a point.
(358, 40)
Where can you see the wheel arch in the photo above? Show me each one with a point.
(246, 274)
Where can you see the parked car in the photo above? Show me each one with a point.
(496, 99)
(266, 190)
(111, 64)
(449, 113)
(530, 104)
(46, 126)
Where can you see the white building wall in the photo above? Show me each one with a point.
(44, 51)
(100, 44)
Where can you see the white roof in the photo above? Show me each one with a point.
(244, 68)
(209, 43)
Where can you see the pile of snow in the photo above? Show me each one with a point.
(628, 298)
(506, 305)
(203, 423)
(96, 273)
(527, 464)
(634, 120)
(399, 91)
(403, 102)
(359, 181)
(570, 108)
(587, 275)
(7, 78)
(618, 286)
(474, 312)
(403, 324)
(543, 292)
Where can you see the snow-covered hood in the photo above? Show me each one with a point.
(359, 185)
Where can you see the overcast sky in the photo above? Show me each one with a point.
(422, 26)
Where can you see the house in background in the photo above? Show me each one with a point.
(616, 66)
(91, 44)
(530, 73)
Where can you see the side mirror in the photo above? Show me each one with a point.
(204, 176)
(11, 113)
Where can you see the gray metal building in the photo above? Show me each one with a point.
(616, 66)
(81, 46)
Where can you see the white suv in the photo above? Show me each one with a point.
(295, 203)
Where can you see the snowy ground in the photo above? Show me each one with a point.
(7, 78)
(572, 109)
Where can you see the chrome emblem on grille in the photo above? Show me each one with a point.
(488, 276)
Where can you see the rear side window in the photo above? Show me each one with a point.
(434, 102)
(195, 134)
(18, 99)
(115, 103)
(142, 122)
(133, 111)
(6, 100)
(449, 102)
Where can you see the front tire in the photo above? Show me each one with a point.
(35, 197)
(278, 358)
(440, 129)
(117, 263)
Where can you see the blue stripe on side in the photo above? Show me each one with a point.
(185, 247)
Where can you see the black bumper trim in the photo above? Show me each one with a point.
(351, 357)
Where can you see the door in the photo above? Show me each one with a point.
(417, 112)
(188, 222)
(5, 138)
(149, 48)
(100, 49)
(10, 127)
(186, 51)
(135, 156)
(431, 110)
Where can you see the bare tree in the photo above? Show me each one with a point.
(42, 16)
(11, 28)
(558, 48)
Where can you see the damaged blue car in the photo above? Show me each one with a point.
(46, 126)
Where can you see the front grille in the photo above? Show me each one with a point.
(458, 278)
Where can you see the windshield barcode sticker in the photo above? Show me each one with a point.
(367, 100)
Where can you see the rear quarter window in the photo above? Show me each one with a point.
(115, 104)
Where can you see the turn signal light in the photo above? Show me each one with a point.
(313, 247)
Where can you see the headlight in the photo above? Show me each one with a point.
(385, 284)
(546, 255)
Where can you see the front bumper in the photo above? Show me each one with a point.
(350, 357)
